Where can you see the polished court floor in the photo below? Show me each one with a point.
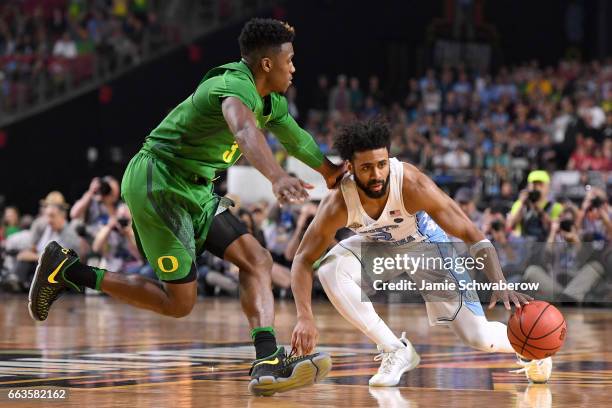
(105, 354)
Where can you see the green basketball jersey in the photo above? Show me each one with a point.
(195, 137)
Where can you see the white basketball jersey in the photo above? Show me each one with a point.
(395, 225)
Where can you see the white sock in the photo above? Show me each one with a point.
(479, 333)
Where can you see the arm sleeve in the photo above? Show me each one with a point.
(296, 140)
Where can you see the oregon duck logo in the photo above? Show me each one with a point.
(167, 263)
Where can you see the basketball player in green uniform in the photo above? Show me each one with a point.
(168, 187)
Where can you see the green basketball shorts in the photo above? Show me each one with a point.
(171, 214)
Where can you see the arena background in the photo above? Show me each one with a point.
(66, 120)
(391, 39)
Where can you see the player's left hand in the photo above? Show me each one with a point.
(507, 296)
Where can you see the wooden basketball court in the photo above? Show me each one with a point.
(106, 354)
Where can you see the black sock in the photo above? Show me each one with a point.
(265, 344)
(82, 275)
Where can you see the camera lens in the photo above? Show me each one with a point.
(105, 188)
(124, 222)
(497, 225)
(596, 202)
(534, 196)
(566, 225)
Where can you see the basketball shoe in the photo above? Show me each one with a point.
(281, 372)
(536, 371)
(394, 364)
(49, 281)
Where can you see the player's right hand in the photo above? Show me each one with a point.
(334, 178)
(288, 189)
(304, 337)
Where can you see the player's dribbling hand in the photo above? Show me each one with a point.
(288, 189)
(507, 296)
(305, 336)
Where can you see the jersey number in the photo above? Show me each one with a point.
(229, 154)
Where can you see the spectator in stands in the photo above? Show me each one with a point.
(307, 213)
(594, 217)
(340, 97)
(532, 214)
(457, 158)
(281, 275)
(65, 47)
(116, 244)
(467, 201)
(10, 222)
(96, 207)
(356, 95)
(571, 268)
(512, 250)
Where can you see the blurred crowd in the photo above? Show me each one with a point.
(98, 227)
(561, 244)
(48, 46)
(483, 130)
(495, 143)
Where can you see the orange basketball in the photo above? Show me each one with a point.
(537, 330)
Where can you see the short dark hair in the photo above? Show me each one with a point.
(360, 136)
(260, 34)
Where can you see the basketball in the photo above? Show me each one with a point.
(537, 330)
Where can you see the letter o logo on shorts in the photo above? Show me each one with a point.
(173, 262)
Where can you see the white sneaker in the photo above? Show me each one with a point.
(536, 371)
(394, 364)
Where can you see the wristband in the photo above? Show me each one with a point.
(485, 243)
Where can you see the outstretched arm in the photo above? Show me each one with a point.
(330, 217)
(302, 146)
(253, 145)
(425, 195)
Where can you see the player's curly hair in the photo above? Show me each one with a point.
(360, 136)
(260, 34)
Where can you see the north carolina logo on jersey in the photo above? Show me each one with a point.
(381, 233)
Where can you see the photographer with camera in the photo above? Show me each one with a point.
(594, 216)
(570, 267)
(95, 208)
(531, 215)
(116, 244)
(511, 249)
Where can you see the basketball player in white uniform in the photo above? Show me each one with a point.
(383, 199)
